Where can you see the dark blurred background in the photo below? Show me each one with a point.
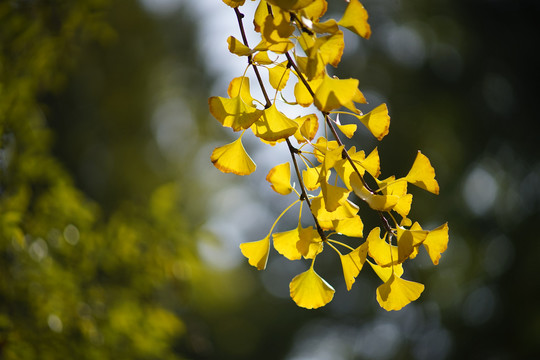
(119, 239)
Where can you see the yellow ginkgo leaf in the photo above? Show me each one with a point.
(310, 291)
(333, 195)
(277, 28)
(345, 210)
(315, 10)
(273, 125)
(288, 5)
(310, 243)
(436, 243)
(384, 273)
(302, 94)
(352, 227)
(422, 174)
(311, 178)
(233, 158)
(307, 128)
(262, 58)
(352, 264)
(278, 76)
(234, 3)
(372, 163)
(236, 47)
(233, 113)
(335, 93)
(280, 178)
(377, 121)
(239, 86)
(257, 252)
(409, 239)
(330, 47)
(382, 252)
(348, 130)
(285, 243)
(355, 19)
(397, 292)
(375, 201)
(329, 26)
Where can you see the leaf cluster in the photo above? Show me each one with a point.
(296, 47)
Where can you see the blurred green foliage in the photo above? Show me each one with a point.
(75, 283)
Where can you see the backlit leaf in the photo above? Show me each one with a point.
(310, 291)
(278, 76)
(335, 93)
(436, 243)
(382, 252)
(422, 174)
(273, 125)
(409, 239)
(285, 243)
(291, 4)
(280, 178)
(310, 243)
(384, 273)
(352, 264)
(257, 252)
(234, 3)
(237, 47)
(375, 201)
(377, 121)
(233, 113)
(353, 227)
(307, 128)
(397, 293)
(233, 158)
(355, 19)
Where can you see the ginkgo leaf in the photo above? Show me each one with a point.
(330, 48)
(233, 158)
(384, 273)
(262, 58)
(276, 28)
(285, 243)
(372, 163)
(422, 174)
(329, 26)
(310, 291)
(345, 210)
(377, 121)
(353, 227)
(239, 86)
(290, 4)
(237, 47)
(311, 178)
(352, 264)
(333, 195)
(233, 113)
(280, 178)
(278, 76)
(355, 19)
(375, 201)
(302, 94)
(307, 128)
(348, 130)
(315, 10)
(234, 3)
(382, 252)
(395, 293)
(436, 243)
(335, 93)
(310, 243)
(273, 125)
(257, 252)
(409, 239)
